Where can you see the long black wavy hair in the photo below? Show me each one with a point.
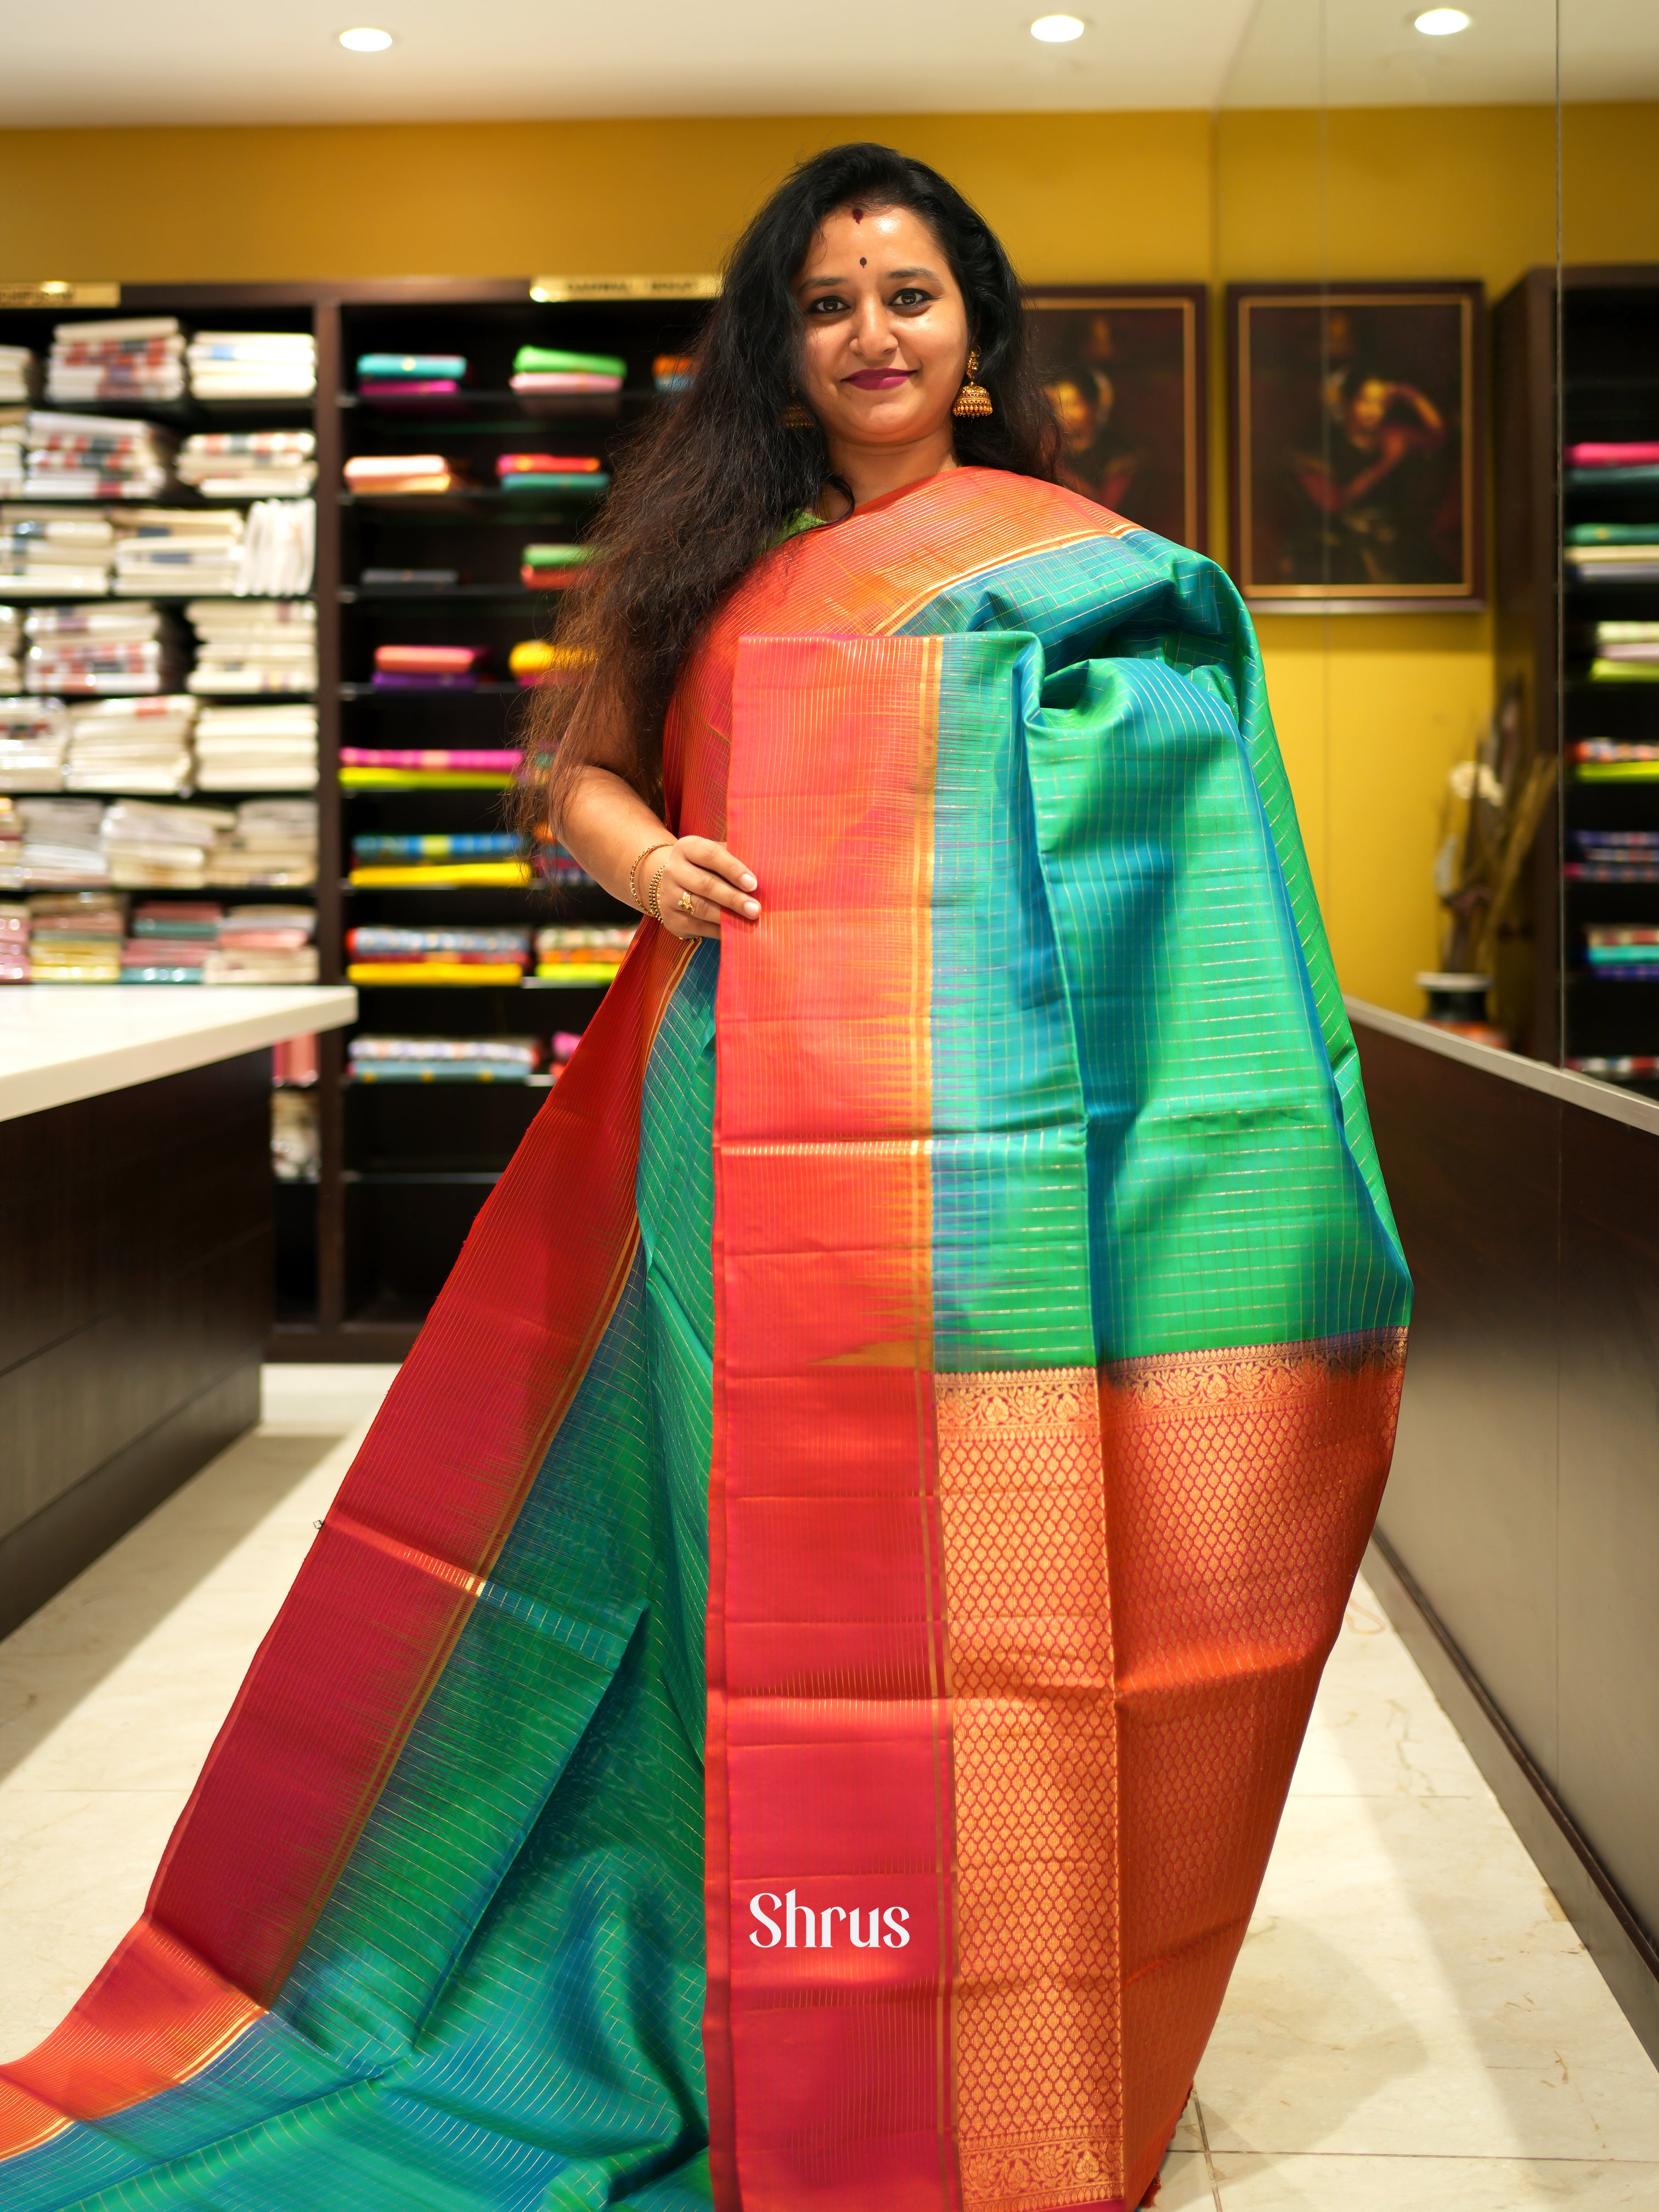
(711, 480)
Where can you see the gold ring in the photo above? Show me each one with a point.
(686, 903)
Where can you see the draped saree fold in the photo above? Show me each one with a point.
(793, 1699)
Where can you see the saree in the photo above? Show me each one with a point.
(791, 1705)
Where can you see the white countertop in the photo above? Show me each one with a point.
(60, 1041)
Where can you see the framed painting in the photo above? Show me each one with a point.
(1357, 442)
(1124, 365)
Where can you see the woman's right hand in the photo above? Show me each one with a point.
(696, 880)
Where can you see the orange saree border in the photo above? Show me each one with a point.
(396, 1569)
(830, 1880)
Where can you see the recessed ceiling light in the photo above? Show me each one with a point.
(365, 41)
(1058, 30)
(1441, 22)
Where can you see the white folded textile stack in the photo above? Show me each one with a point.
(95, 456)
(14, 919)
(20, 374)
(273, 844)
(33, 733)
(11, 647)
(130, 745)
(102, 651)
(13, 429)
(61, 841)
(264, 944)
(255, 749)
(47, 554)
(151, 847)
(253, 646)
(137, 357)
(280, 553)
(252, 364)
(172, 548)
(249, 463)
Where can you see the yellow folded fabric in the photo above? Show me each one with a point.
(447, 871)
(434, 971)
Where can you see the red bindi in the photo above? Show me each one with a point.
(863, 264)
(858, 215)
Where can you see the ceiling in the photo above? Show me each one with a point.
(79, 62)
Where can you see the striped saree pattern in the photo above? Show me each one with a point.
(793, 1700)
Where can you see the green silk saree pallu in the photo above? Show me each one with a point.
(792, 1701)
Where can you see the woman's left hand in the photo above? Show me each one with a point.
(693, 882)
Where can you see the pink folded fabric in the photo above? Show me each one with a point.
(1636, 453)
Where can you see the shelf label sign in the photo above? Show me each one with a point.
(547, 289)
(57, 292)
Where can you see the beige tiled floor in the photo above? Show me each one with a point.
(1411, 2024)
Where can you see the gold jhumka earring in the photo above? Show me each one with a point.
(796, 415)
(973, 398)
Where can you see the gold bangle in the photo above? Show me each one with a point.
(633, 898)
(651, 906)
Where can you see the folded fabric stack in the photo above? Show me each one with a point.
(11, 845)
(130, 745)
(554, 865)
(64, 655)
(14, 929)
(252, 364)
(387, 955)
(172, 548)
(103, 650)
(1627, 951)
(549, 380)
(1620, 1068)
(576, 474)
(249, 463)
(394, 863)
(253, 646)
(257, 748)
(11, 649)
(1627, 640)
(264, 944)
(75, 938)
(382, 474)
(142, 357)
(535, 661)
(152, 847)
(428, 667)
(279, 552)
(577, 955)
(33, 737)
(364, 768)
(1613, 856)
(61, 841)
(1626, 653)
(1613, 552)
(14, 430)
(671, 375)
(1600, 464)
(20, 374)
(272, 847)
(408, 378)
(45, 554)
(552, 568)
(442, 1060)
(1614, 760)
(168, 940)
(294, 1060)
(95, 456)
(296, 1142)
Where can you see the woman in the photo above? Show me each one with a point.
(952, 1278)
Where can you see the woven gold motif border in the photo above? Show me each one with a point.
(1028, 1616)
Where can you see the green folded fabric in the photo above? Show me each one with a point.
(588, 485)
(1613, 533)
(549, 361)
(555, 556)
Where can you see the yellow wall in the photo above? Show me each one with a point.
(1372, 710)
